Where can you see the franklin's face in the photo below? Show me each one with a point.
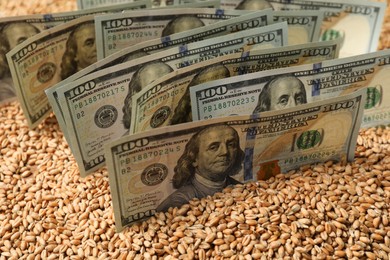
(18, 33)
(286, 93)
(147, 74)
(86, 47)
(152, 72)
(182, 24)
(212, 73)
(217, 149)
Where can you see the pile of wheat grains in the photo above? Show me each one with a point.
(323, 211)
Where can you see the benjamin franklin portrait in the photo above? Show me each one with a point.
(11, 35)
(281, 92)
(182, 113)
(181, 24)
(80, 50)
(142, 77)
(210, 159)
(253, 5)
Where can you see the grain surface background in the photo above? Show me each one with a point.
(324, 211)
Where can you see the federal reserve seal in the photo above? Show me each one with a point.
(160, 116)
(46, 72)
(106, 116)
(154, 174)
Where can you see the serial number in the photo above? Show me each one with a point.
(161, 99)
(99, 96)
(307, 157)
(376, 117)
(153, 154)
(228, 104)
(130, 35)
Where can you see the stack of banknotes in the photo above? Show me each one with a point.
(181, 98)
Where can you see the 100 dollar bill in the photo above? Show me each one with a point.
(359, 22)
(292, 86)
(166, 101)
(36, 64)
(50, 56)
(116, 32)
(154, 170)
(16, 29)
(97, 107)
(224, 27)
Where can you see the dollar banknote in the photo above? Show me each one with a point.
(277, 89)
(224, 27)
(359, 22)
(154, 170)
(116, 32)
(166, 101)
(14, 30)
(97, 107)
(47, 58)
(303, 26)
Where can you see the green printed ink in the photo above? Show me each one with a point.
(309, 139)
(331, 34)
(374, 95)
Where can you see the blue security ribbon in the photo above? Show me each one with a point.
(48, 17)
(219, 12)
(165, 40)
(315, 91)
